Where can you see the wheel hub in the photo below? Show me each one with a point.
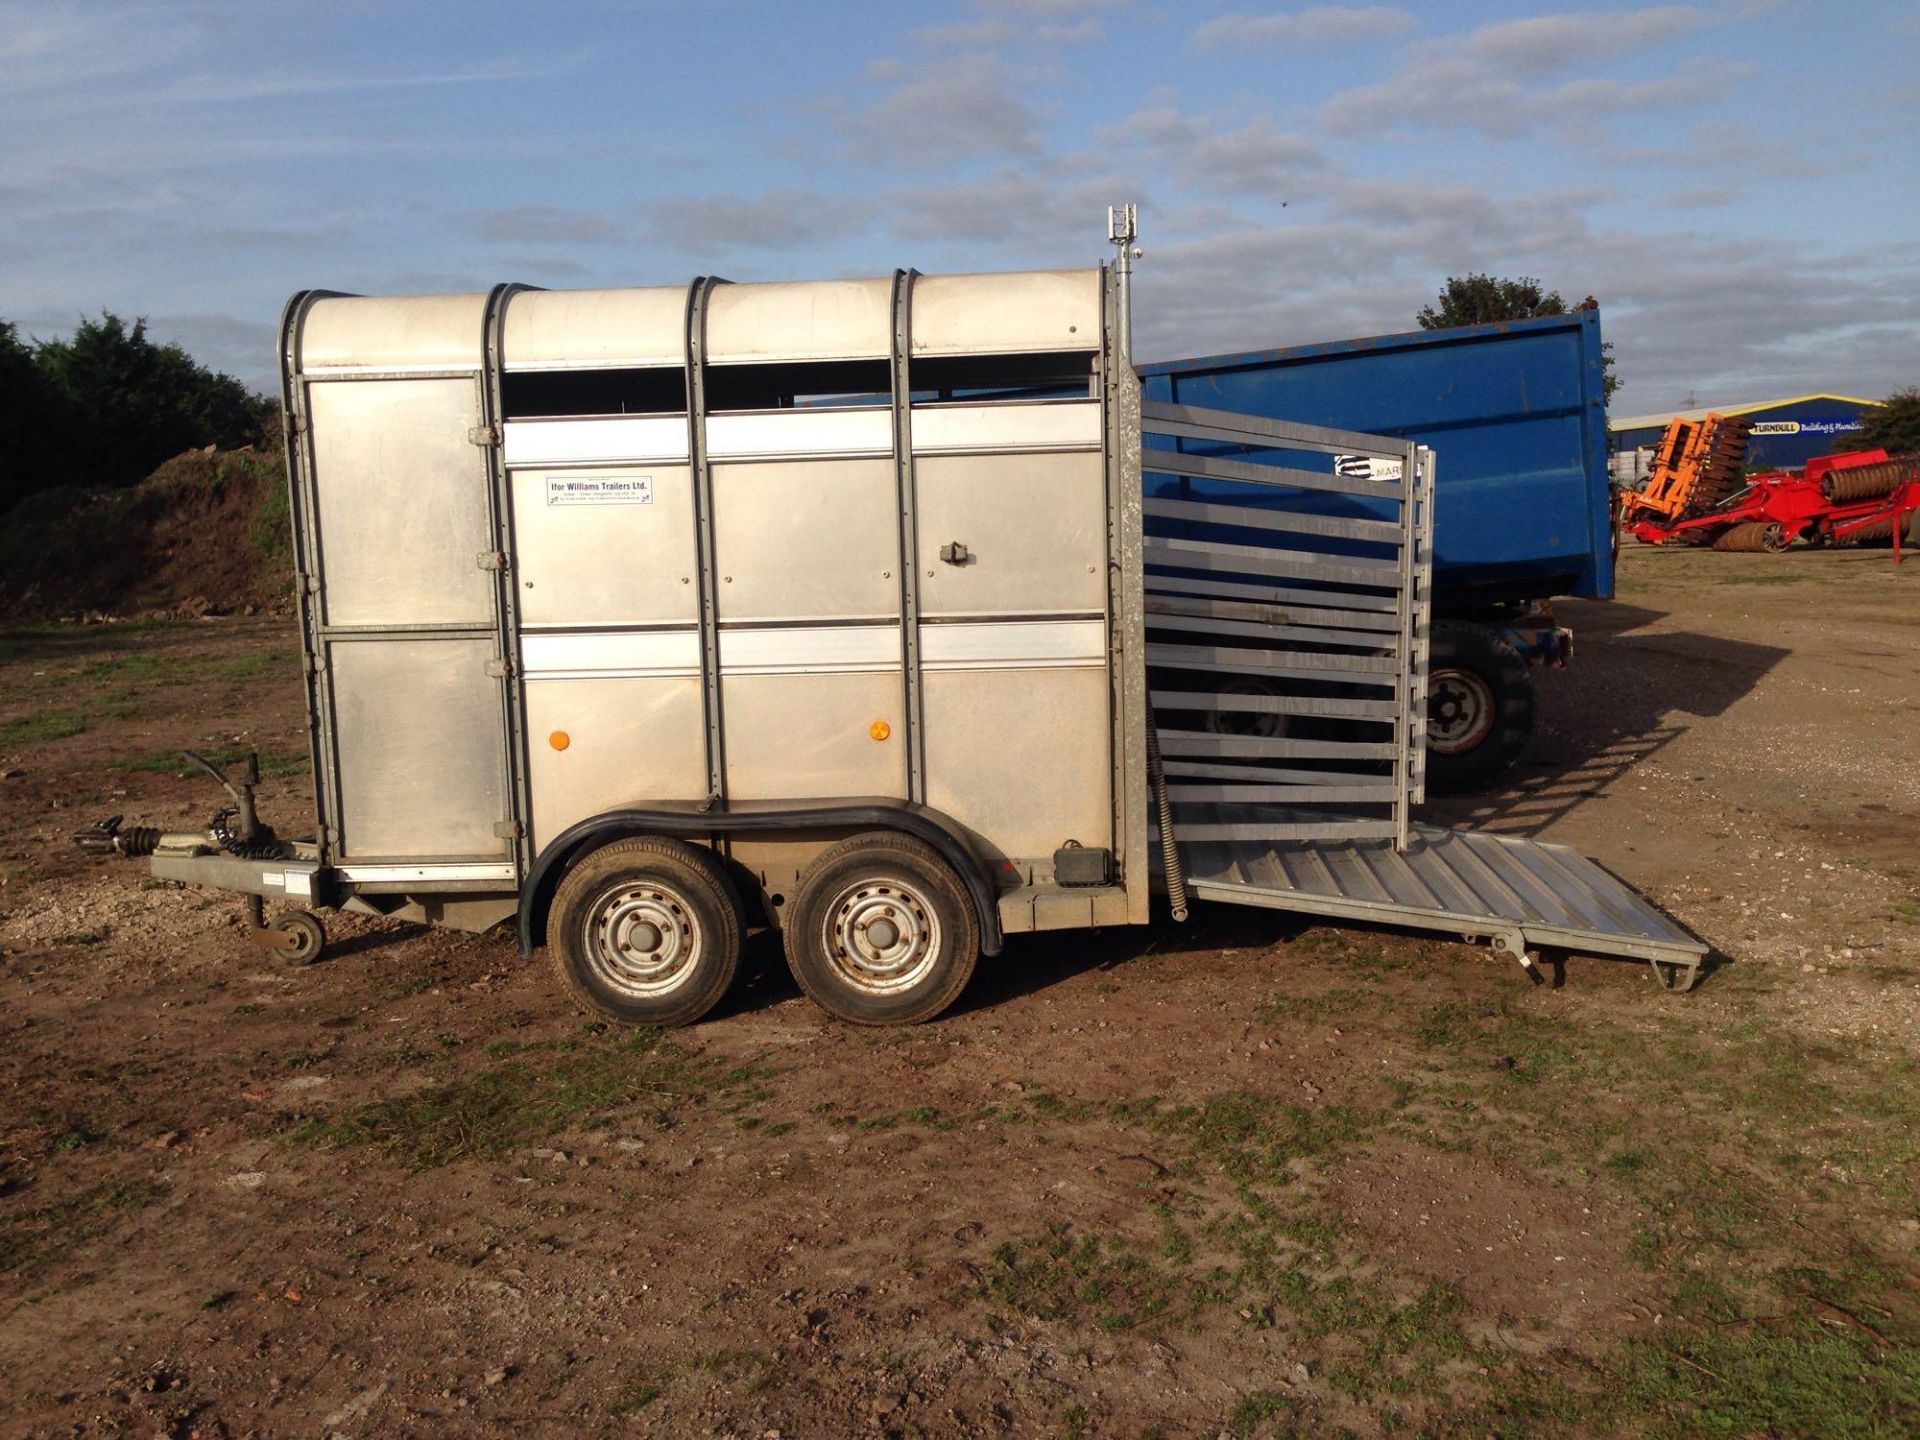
(641, 939)
(1459, 711)
(882, 936)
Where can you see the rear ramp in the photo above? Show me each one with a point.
(1516, 894)
(1288, 584)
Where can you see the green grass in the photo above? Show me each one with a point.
(1241, 1243)
(254, 666)
(1801, 1378)
(45, 725)
(272, 534)
(33, 1240)
(60, 639)
(633, 1397)
(746, 1372)
(1255, 1410)
(535, 1093)
(134, 666)
(1061, 1276)
(274, 764)
(40, 728)
(1254, 1139)
(1720, 1127)
(1765, 1168)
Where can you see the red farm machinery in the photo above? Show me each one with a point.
(1696, 494)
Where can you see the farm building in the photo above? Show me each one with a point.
(1785, 435)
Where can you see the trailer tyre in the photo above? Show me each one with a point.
(881, 931)
(309, 937)
(1479, 708)
(648, 931)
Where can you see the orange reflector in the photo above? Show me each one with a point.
(879, 730)
(559, 739)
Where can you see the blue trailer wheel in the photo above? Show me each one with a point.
(1479, 708)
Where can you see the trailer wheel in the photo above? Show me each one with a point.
(1479, 708)
(648, 931)
(309, 937)
(881, 931)
(1263, 724)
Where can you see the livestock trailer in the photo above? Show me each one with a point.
(1523, 510)
(640, 618)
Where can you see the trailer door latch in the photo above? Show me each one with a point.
(499, 669)
(491, 560)
(508, 829)
(954, 553)
(484, 435)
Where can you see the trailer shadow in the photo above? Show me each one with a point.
(1031, 963)
(1630, 692)
(390, 934)
(1037, 962)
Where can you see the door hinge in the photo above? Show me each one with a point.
(500, 669)
(484, 435)
(491, 560)
(508, 830)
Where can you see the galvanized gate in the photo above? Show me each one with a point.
(1288, 576)
(1288, 579)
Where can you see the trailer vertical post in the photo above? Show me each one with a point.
(697, 296)
(913, 712)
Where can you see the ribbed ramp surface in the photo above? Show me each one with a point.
(1484, 887)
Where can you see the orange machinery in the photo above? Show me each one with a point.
(1697, 464)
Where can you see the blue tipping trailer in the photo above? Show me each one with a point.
(1523, 511)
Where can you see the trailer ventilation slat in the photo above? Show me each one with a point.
(1320, 673)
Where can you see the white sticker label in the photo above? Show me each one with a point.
(599, 489)
(1366, 467)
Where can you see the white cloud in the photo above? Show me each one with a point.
(1255, 160)
(775, 220)
(1026, 22)
(1497, 79)
(943, 111)
(1045, 214)
(981, 33)
(1553, 44)
(1685, 308)
(1318, 25)
(1059, 10)
(545, 224)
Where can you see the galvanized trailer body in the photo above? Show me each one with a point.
(714, 593)
(754, 568)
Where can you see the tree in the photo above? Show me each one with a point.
(1895, 426)
(33, 416)
(132, 403)
(1486, 299)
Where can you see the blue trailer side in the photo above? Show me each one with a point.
(1516, 417)
(1514, 413)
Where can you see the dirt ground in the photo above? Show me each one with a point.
(1244, 1176)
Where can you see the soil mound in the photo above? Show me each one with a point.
(206, 534)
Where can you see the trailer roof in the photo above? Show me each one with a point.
(1013, 313)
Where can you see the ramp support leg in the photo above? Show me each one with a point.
(1677, 978)
(1514, 943)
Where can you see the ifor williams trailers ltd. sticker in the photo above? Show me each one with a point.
(599, 489)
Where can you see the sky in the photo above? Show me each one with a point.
(1737, 183)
